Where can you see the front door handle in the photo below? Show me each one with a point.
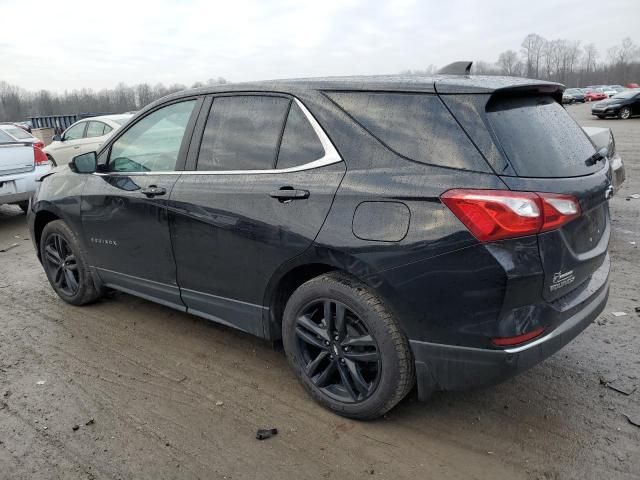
(288, 194)
(153, 191)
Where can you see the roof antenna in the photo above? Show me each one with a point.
(457, 68)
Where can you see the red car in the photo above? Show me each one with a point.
(594, 95)
(632, 85)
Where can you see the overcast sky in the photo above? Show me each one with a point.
(72, 44)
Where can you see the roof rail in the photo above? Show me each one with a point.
(457, 68)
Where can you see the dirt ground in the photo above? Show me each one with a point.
(155, 393)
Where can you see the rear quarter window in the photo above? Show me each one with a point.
(416, 126)
(539, 137)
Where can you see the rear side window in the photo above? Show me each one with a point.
(242, 133)
(539, 138)
(300, 144)
(416, 126)
(95, 129)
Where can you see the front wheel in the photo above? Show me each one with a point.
(624, 113)
(65, 264)
(600, 116)
(346, 348)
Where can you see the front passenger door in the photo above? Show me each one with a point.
(124, 205)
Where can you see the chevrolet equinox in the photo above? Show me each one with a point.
(445, 231)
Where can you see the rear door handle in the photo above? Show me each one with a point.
(153, 191)
(288, 193)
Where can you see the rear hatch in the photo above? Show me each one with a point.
(16, 158)
(547, 151)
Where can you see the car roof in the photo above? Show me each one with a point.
(404, 83)
(122, 116)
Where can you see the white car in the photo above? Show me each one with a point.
(21, 166)
(609, 91)
(84, 136)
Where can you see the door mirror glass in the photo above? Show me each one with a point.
(85, 163)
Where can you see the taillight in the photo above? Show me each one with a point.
(39, 157)
(497, 214)
(39, 144)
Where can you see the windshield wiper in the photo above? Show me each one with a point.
(596, 157)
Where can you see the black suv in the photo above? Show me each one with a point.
(447, 231)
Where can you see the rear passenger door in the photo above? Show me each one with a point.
(264, 177)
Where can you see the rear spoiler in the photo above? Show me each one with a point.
(457, 68)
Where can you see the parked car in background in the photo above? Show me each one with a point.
(609, 91)
(632, 85)
(383, 248)
(21, 165)
(572, 95)
(20, 134)
(86, 135)
(592, 95)
(623, 105)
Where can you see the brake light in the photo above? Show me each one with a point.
(517, 340)
(492, 215)
(39, 144)
(39, 157)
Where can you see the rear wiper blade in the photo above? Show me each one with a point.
(596, 157)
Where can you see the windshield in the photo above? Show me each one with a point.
(539, 137)
(625, 95)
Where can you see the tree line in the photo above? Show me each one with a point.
(565, 61)
(18, 104)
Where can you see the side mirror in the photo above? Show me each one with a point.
(85, 163)
(56, 138)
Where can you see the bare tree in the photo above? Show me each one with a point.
(509, 63)
(590, 57)
(532, 48)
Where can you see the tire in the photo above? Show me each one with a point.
(370, 328)
(600, 116)
(24, 206)
(624, 113)
(70, 258)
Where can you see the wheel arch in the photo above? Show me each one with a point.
(313, 263)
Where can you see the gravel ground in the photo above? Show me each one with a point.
(129, 389)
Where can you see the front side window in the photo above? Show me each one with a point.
(300, 144)
(75, 132)
(153, 143)
(95, 129)
(242, 133)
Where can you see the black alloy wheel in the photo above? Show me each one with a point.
(340, 356)
(61, 264)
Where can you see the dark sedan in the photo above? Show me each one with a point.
(572, 95)
(623, 105)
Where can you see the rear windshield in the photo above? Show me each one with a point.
(539, 138)
(17, 132)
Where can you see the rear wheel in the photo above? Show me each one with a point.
(65, 264)
(346, 348)
(624, 113)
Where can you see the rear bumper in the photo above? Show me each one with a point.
(22, 186)
(449, 367)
